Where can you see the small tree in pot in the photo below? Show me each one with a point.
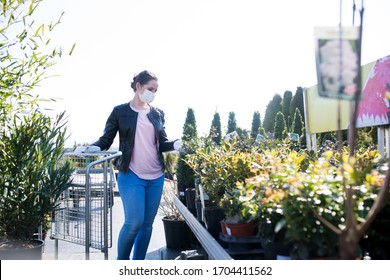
(185, 175)
(31, 179)
(177, 232)
(220, 170)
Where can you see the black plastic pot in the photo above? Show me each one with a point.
(213, 217)
(190, 195)
(177, 234)
(32, 252)
(280, 248)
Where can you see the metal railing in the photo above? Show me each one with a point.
(208, 242)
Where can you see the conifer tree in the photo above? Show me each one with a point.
(297, 102)
(286, 104)
(232, 123)
(256, 124)
(185, 174)
(280, 130)
(273, 107)
(216, 129)
(189, 128)
(297, 125)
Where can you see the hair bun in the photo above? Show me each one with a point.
(133, 83)
(142, 78)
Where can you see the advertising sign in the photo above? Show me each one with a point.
(337, 61)
(373, 108)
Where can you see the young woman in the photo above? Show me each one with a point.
(142, 140)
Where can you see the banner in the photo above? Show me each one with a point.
(373, 108)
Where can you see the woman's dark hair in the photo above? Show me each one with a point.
(143, 78)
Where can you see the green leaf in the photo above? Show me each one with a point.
(72, 49)
(31, 8)
(40, 29)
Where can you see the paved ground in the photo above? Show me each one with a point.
(70, 251)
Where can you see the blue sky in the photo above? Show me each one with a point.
(209, 55)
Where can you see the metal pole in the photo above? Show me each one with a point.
(105, 211)
(340, 78)
(56, 249)
(353, 129)
(87, 211)
(381, 140)
(387, 142)
(306, 117)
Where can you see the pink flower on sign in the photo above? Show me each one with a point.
(374, 103)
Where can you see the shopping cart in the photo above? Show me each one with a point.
(84, 216)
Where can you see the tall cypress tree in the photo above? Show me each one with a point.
(297, 125)
(216, 129)
(280, 130)
(273, 107)
(256, 124)
(286, 104)
(189, 128)
(232, 123)
(297, 102)
(185, 174)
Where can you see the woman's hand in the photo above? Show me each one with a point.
(178, 146)
(87, 149)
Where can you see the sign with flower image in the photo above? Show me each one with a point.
(373, 108)
(337, 61)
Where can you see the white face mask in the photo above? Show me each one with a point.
(147, 96)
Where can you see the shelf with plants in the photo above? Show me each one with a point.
(300, 200)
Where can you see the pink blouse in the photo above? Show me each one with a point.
(144, 159)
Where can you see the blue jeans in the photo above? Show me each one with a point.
(141, 199)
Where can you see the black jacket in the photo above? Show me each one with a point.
(124, 120)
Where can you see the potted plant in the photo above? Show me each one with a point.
(337, 173)
(321, 189)
(185, 175)
(209, 211)
(241, 213)
(174, 171)
(277, 168)
(219, 168)
(177, 232)
(304, 202)
(31, 180)
(317, 207)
